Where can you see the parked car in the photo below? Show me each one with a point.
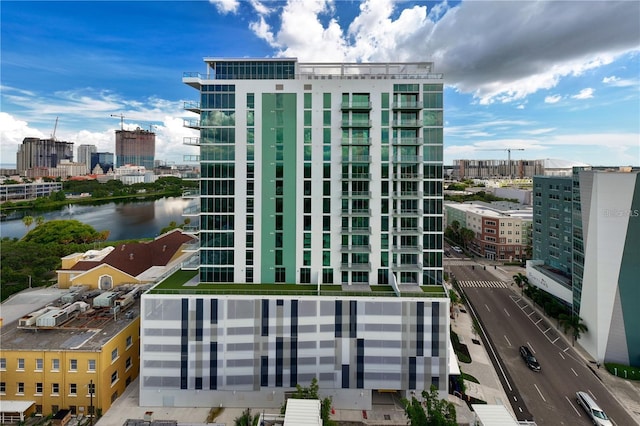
(529, 359)
(598, 417)
(456, 249)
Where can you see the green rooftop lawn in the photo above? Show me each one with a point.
(175, 284)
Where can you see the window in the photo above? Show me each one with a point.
(91, 365)
(20, 363)
(128, 363)
(39, 388)
(73, 389)
(3, 363)
(39, 363)
(129, 341)
(3, 388)
(20, 389)
(114, 354)
(55, 364)
(73, 365)
(55, 388)
(114, 377)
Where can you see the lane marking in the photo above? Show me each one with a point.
(531, 347)
(566, 349)
(507, 312)
(572, 406)
(592, 395)
(541, 396)
(508, 342)
(561, 356)
(487, 306)
(574, 371)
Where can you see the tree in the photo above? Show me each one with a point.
(574, 324)
(466, 235)
(63, 231)
(433, 412)
(39, 220)
(246, 419)
(521, 279)
(312, 392)
(28, 221)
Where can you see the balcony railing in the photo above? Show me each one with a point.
(356, 249)
(191, 158)
(408, 248)
(191, 229)
(406, 123)
(408, 194)
(356, 123)
(407, 266)
(407, 105)
(192, 247)
(191, 193)
(356, 266)
(398, 176)
(192, 106)
(192, 264)
(193, 210)
(408, 230)
(407, 141)
(407, 159)
(356, 141)
(357, 212)
(356, 194)
(357, 159)
(408, 212)
(357, 230)
(192, 124)
(355, 105)
(356, 176)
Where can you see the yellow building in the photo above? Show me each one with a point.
(132, 263)
(82, 363)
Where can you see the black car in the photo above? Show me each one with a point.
(528, 358)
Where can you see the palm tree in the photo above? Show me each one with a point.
(28, 221)
(521, 279)
(574, 324)
(246, 419)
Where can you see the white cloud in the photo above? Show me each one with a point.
(12, 133)
(499, 51)
(226, 6)
(584, 94)
(262, 30)
(552, 99)
(618, 82)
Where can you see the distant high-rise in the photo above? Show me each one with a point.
(136, 147)
(35, 152)
(84, 155)
(102, 159)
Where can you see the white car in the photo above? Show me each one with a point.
(597, 415)
(456, 249)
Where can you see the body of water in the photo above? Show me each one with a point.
(124, 219)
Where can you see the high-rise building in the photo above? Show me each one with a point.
(84, 155)
(135, 147)
(42, 153)
(102, 159)
(320, 205)
(586, 232)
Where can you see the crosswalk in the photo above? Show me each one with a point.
(493, 284)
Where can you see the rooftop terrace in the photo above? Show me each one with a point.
(186, 282)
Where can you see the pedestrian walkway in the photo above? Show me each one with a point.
(494, 284)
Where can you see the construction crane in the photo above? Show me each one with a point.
(55, 127)
(508, 155)
(121, 120)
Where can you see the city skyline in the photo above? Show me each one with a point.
(555, 78)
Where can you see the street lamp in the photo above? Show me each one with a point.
(91, 398)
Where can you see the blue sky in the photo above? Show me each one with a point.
(559, 79)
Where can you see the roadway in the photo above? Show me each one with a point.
(509, 321)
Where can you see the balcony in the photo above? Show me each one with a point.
(356, 123)
(191, 158)
(356, 176)
(362, 106)
(359, 230)
(192, 264)
(408, 230)
(356, 212)
(357, 159)
(408, 194)
(356, 141)
(407, 141)
(192, 106)
(191, 193)
(412, 176)
(407, 159)
(191, 229)
(193, 141)
(193, 210)
(408, 212)
(407, 105)
(192, 247)
(193, 79)
(356, 249)
(408, 249)
(407, 123)
(407, 267)
(356, 194)
(356, 266)
(192, 124)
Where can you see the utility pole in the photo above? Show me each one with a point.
(91, 411)
(121, 120)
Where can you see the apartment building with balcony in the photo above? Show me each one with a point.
(320, 222)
